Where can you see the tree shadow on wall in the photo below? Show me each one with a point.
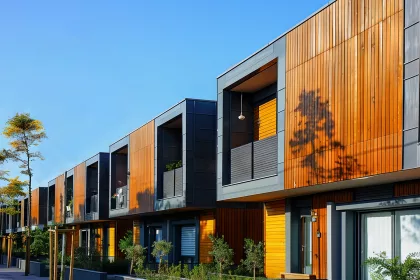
(317, 122)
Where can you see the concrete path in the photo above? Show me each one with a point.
(14, 273)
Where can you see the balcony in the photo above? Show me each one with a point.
(92, 207)
(172, 183)
(254, 160)
(119, 199)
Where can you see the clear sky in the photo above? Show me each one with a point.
(92, 71)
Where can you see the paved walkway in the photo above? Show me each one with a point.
(14, 273)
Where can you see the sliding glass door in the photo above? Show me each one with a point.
(396, 233)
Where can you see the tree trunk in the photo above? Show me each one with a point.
(28, 237)
(254, 272)
(220, 270)
(63, 252)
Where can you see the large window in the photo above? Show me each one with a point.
(396, 233)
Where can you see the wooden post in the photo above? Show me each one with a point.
(51, 255)
(55, 252)
(9, 255)
(72, 255)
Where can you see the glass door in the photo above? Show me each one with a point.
(306, 252)
(407, 232)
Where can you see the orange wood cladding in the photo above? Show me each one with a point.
(207, 227)
(59, 199)
(236, 225)
(275, 238)
(75, 240)
(407, 188)
(319, 245)
(35, 207)
(142, 169)
(265, 120)
(79, 192)
(344, 93)
(22, 213)
(136, 232)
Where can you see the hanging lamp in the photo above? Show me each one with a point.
(241, 116)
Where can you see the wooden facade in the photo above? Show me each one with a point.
(136, 232)
(207, 227)
(22, 213)
(236, 224)
(79, 188)
(142, 164)
(275, 238)
(59, 200)
(319, 244)
(409, 188)
(76, 240)
(344, 93)
(111, 239)
(35, 205)
(265, 120)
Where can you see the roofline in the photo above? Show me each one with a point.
(277, 38)
(160, 114)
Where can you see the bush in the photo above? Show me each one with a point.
(40, 243)
(254, 261)
(126, 241)
(381, 267)
(136, 254)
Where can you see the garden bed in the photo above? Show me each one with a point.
(39, 269)
(85, 274)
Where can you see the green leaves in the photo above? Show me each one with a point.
(126, 242)
(161, 249)
(174, 165)
(254, 256)
(221, 252)
(381, 267)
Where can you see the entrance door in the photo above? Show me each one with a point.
(84, 239)
(155, 234)
(306, 251)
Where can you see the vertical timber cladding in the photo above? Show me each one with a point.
(59, 199)
(22, 213)
(79, 192)
(344, 93)
(142, 166)
(236, 224)
(410, 188)
(207, 227)
(35, 207)
(319, 244)
(265, 120)
(275, 238)
(136, 232)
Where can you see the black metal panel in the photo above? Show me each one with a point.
(265, 157)
(241, 163)
(43, 206)
(374, 193)
(103, 202)
(411, 103)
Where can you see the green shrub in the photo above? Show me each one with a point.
(381, 267)
(40, 243)
(126, 241)
(254, 261)
(136, 254)
(161, 249)
(222, 253)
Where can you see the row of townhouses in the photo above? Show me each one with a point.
(311, 147)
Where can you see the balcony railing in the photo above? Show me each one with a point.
(254, 160)
(172, 183)
(93, 205)
(51, 214)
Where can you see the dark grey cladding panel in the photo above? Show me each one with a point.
(411, 103)
(411, 44)
(70, 173)
(51, 183)
(265, 157)
(241, 163)
(92, 160)
(410, 148)
(119, 144)
(205, 149)
(411, 69)
(374, 192)
(412, 12)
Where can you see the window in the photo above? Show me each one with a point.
(188, 241)
(395, 233)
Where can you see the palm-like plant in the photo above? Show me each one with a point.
(381, 267)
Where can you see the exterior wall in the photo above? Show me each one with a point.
(207, 227)
(76, 241)
(344, 85)
(236, 224)
(22, 213)
(265, 120)
(411, 83)
(59, 200)
(275, 238)
(141, 162)
(111, 239)
(136, 232)
(79, 192)
(411, 188)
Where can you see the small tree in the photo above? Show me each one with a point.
(222, 253)
(161, 249)
(254, 256)
(136, 254)
(381, 267)
(126, 242)
(25, 133)
(40, 243)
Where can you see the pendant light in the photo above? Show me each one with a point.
(241, 117)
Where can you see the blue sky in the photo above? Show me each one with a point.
(92, 71)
